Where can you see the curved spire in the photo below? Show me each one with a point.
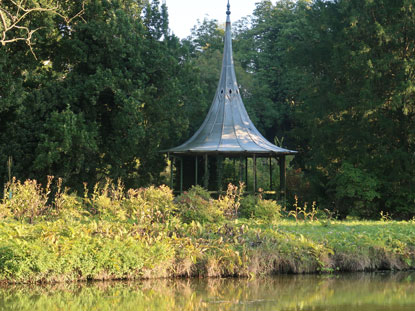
(227, 128)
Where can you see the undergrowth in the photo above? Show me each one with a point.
(114, 233)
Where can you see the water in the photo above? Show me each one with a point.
(368, 292)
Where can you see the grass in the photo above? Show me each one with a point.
(147, 233)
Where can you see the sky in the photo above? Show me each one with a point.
(183, 14)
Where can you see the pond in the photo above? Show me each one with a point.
(369, 291)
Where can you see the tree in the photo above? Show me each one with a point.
(102, 99)
(274, 28)
(357, 109)
(16, 19)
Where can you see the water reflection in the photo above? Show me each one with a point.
(377, 291)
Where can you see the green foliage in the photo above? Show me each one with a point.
(27, 200)
(331, 79)
(197, 205)
(112, 233)
(354, 186)
(146, 206)
(231, 201)
(268, 210)
(248, 206)
(151, 205)
(255, 207)
(354, 101)
(99, 91)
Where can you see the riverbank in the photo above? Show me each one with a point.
(145, 235)
(65, 250)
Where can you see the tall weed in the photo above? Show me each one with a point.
(149, 205)
(28, 200)
(231, 201)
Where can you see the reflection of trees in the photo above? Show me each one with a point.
(282, 293)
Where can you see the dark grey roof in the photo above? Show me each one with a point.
(227, 128)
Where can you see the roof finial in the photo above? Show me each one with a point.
(228, 12)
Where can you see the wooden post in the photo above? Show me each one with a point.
(234, 171)
(241, 170)
(283, 176)
(181, 175)
(171, 159)
(206, 177)
(246, 173)
(255, 179)
(219, 172)
(196, 171)
(270, 173)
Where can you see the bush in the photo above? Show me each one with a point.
(27, 200)
(106, 200)
(268, 210)
(196, 205)
(248, 206)
(69, 207)
(256, 207)
(149, 205)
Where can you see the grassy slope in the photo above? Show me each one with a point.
(147, 233)
(89, 248)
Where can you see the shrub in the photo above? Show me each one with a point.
(106, 200)
(256, 207)
(149, 205)
(69, 206)
(27, 200)
(267, 210)
(248, 205)
(4, 212)
(196, 205)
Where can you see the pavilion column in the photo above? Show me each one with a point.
(246, 173)
(171, 159)
(181, 175)
(196, 171)
(283, 177)
(270, 173)
(219, 172)
(254, 170)
(206, 177)
(234, 171)
(241, 170)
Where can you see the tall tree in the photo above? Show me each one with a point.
(357, 90)
(104, 97)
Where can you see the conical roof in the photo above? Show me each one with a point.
(227, 128)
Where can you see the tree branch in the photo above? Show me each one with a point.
(12, 19)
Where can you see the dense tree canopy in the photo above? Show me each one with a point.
(103, 86)
(342, 75)
(99, 100)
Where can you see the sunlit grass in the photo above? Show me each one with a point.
(146, 233)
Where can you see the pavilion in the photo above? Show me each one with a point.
(227, 132)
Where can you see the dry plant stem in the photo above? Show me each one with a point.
(12, 20)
